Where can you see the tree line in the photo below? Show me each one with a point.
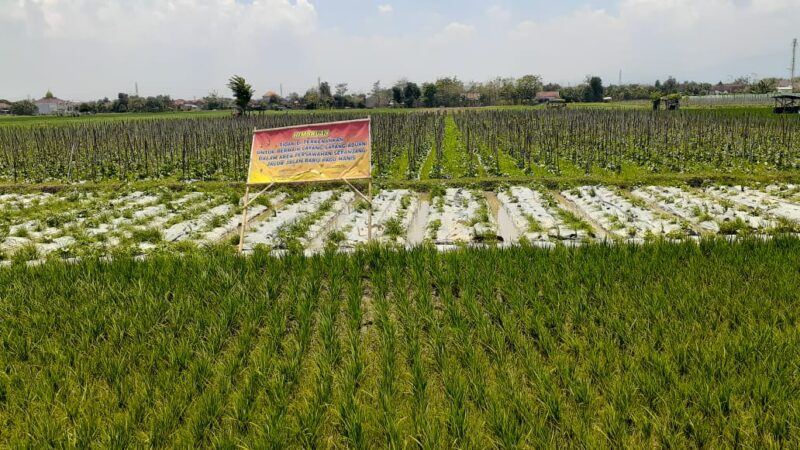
(444, 92)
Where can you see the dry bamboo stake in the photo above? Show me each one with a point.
(244, 219)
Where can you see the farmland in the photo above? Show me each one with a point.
(592, 277)
(466, 144)
(602, 346)
(73, 224)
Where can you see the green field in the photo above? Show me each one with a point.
(666, 345)
(128, 321)
(635, 105)
(611, 143)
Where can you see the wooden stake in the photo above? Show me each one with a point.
(368, 198)
(244, 218)
(369, 230)
(259, 193)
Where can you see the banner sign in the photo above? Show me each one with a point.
(319, 152)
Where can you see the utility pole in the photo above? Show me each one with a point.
(620, 78)
(281, 90)
(794, 55)
(136, 88)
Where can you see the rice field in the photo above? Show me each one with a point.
(605, 346)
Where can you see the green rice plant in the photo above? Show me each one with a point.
(27, 252)
(477, 347)
(22, 232)
(784, 225)
(574, 222)
(393, 228)
(702, 215)
(433, 228)
(146, 235)
(734, 227)
(533, 225)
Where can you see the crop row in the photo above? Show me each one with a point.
(79, 224)
(666, 345)
(414, 145)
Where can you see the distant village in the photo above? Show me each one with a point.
(445, 92)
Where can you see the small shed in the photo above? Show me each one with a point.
(787, 104)
(547, 96)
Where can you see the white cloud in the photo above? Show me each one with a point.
(498, 13)
(457, 30)
(705, 40)
(156, 20)
(85, 49)
(385, 8)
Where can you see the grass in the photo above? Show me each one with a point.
(456, 162)
(151, 235)
(664, 345)
(734, 227)
(574, 222)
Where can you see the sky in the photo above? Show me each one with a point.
(89, 49)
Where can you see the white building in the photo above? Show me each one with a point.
(52, 105)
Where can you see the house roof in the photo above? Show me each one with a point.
(728, 87)
(4, 105)
(269, 94)
(548, 94)
(50, 100)
(472, 96)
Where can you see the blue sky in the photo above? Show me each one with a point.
(85, 49)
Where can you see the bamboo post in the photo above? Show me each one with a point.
(244, 218)
(368, 198)
(369, 224)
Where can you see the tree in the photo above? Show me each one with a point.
(120, 105)
(311, 99)
(429, 95)
(242, 92)
(48, 94)
(339, 98)
(765, 86)
(508, 91)
(293, 100)
(379, 95)
(411, 94)
(135, 104)
(397, 95)
(325, 97)
(670, 86)
(527, 87)
(448, 91)
(551, 87)
(24, 108)
(214, 101)
(573, 93)
(594, 92)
